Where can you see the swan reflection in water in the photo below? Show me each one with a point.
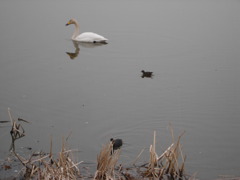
(77, 46)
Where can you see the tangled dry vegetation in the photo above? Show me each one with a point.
(44, 166)
(167, 165)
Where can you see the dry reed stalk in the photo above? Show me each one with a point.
(45, 166)
(138, 156)
(62, 168)
(153, 163)
(167, 164)
(106, 162)
(16, 132)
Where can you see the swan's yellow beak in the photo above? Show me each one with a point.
(68, 23)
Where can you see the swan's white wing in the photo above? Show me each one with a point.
(90, 37)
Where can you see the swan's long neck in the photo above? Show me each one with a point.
(76, 31)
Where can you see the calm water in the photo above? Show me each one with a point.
(192, 47)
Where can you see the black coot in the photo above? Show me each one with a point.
(117, 143)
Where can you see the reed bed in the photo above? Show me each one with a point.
(41, 165)
(61, 168)
(167, 165)
(170, 165)
(106, 163)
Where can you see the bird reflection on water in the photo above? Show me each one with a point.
(73, 55)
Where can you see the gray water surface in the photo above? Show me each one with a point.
(192, 47)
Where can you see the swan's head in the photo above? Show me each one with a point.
(71, 21)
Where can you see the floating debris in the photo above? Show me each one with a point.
(6, 167)
(20, 119)
(4, 121)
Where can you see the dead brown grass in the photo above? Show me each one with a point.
(106, 163)
(61, 168)
(44, 166)
(167, 165)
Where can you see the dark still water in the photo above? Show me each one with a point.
(97, 92)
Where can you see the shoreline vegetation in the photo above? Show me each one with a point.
(170, 165)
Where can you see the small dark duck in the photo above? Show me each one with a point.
(147, 74)
(117, 143)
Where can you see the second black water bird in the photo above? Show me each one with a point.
(147, 74)
(117, 143)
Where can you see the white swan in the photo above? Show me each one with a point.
(87, 36)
